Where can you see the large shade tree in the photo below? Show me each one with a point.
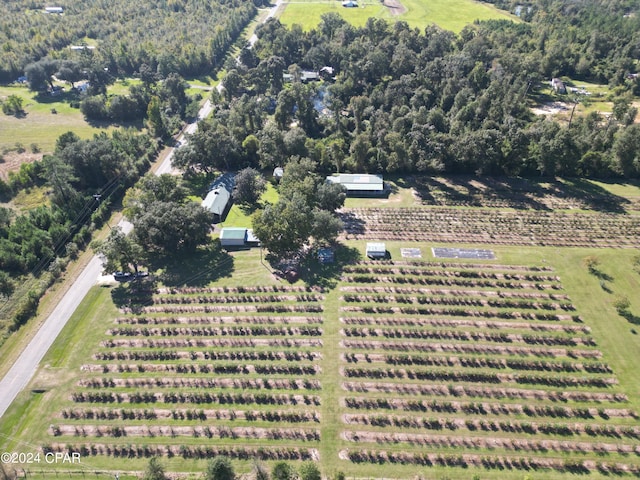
(304, 213)
(121, 252)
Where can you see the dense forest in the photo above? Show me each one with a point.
(402, 100)
(84, 178)
(189, 37)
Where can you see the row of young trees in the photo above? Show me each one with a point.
(190, 37)
(221, 468)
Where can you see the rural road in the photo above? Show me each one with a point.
(25, 366)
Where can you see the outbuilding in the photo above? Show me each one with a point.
(238, 237)
(216, 202)
(376, 250)
(58, 10)
(360, 184)
(233, 237)
(558, 86)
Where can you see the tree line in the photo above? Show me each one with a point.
(221, 468)
(84, 179)
(409, 101)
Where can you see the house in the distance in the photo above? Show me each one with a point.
(58, 10)
(327, 73)
(304, 76)
(360, 184)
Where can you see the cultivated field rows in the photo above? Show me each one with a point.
(517, 193)
(198, 371)
(453, 364)
(497, 227)
(493, 364)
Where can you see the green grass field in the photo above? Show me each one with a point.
(224, 324)
(240, 216)
(40, 126)
(448, 14)
(599, 99)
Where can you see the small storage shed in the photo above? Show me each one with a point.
(233, 237)
(376, 250)
(58, 10)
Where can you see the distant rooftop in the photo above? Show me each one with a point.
(226, 180)
(359, 181)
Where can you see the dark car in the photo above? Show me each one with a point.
(122, 276)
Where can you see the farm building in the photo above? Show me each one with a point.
(238, 237)
(57, 10)
(376, 250)
(305, 76)
(216, 202)
(360, 184)
(308, 76)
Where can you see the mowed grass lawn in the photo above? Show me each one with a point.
(448, 14)
(240, 215)
(40, 126)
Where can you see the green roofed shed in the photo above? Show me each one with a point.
(233, 237)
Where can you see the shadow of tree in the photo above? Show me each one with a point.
(600, 275)
(327, 275)
(135, 294)
(352, 224)
(544, 194)
(194, 269)
(630, 317)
